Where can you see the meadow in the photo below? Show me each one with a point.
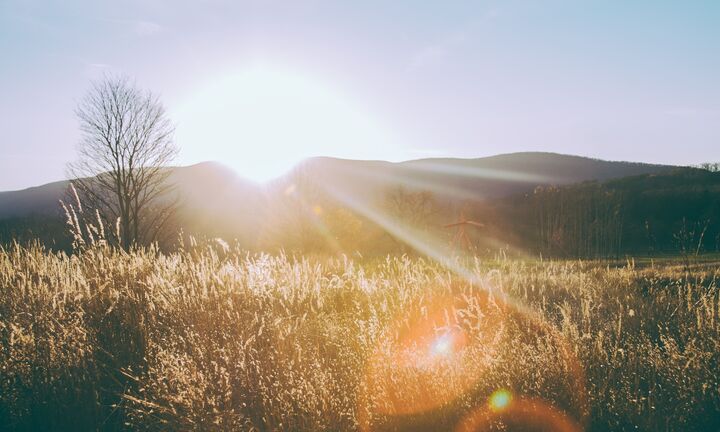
(215, 338)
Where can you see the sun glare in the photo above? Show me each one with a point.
(261, 121)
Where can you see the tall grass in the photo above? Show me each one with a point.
(212, 338)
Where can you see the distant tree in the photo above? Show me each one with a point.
(295, 213)
(413, 208)
(690, 238)
(708, 166)
(345, 228)
(578, 221)
(121, 171)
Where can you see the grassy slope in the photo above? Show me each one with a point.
(210, 339)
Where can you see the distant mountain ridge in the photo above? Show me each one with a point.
(471, 179)
(593, 208)
(215, 189)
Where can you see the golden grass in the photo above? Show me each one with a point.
(211, 338)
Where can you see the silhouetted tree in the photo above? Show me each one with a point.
(578, 221)
(710, 166)
(121, 171)
(413, 208)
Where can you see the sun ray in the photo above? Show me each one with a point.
(479, 172)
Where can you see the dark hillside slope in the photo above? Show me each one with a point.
(37, 201)
(216, 202)
(452, 179)
(669, 211)
(663, 213)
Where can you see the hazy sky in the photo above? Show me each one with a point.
(620, 80)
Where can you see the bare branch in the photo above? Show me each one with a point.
(126, 145)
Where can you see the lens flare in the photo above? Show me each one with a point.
(526, 414)
(439, 357)
(442, 346)
(429, 358)
(500, 400)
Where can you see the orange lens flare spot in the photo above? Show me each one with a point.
(443, 345)
(507, 412)
(499, 400)
(433, 357)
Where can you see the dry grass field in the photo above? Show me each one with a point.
(212, 338)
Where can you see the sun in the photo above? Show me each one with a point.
(261, 121)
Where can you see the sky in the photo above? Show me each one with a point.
(259, 85)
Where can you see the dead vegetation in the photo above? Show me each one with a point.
(211, 338)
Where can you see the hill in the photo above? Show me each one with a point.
(217, 202)
(453, 179)
(210, 186)
(675, 211)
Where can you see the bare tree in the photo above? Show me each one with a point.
(414, 208)
(709, 166)
(121, 171)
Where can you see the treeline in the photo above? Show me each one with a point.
(49, 231)
(674, 213)
(649, 215)
(584, 221)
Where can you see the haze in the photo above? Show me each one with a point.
(370, 80)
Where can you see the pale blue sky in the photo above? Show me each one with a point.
(620, 80)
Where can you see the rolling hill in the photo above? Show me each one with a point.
(213, 188)
(217, 202)
(454, 179)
